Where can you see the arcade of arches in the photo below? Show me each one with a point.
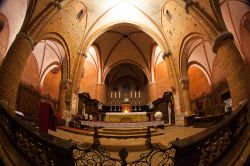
(115, 49)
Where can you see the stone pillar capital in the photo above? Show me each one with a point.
(166, 54)
(184, 82)
(65, 83)
(151, 82)
(100, 83)
(80, 53)
(220, 38)
(58, 4)
(68, 96)
(188, 4)
(23, 35)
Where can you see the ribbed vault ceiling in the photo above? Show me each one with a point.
(125, 43)
(126, 75)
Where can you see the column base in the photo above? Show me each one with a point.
(184, 120)
(179, 120)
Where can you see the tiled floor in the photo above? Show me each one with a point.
(134, 146)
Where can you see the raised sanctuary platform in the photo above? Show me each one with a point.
(123, 125)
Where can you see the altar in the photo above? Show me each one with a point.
(126, 117)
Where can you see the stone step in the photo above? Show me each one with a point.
(125, 132)
(125, 129)
(131, 135)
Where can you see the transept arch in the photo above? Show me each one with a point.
(199, 82)
(125, 61)
(15, 17)
(123, 12)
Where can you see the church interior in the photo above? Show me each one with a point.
(124, 82)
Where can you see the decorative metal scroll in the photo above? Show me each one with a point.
(94, 154)
(156, 157)
(215, 146)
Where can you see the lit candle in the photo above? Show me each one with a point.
(119, 95)
(111, 94)
(131, 94)
(139, 94)
(135, 94)
(115, 95)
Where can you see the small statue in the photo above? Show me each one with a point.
(99, 106)
(151, 106)
(125, 100)
(228, 104)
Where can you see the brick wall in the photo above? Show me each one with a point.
(88, 82)
(198, 83)
(161, 77)
(30, 74)
(51, 84)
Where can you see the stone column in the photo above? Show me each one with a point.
(234, 67)
(100, 92)
(175, 90)
(65, 87)
(184, 82)
(13, 66)
(152, 91)
(79, 72)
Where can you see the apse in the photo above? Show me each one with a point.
(124, 49)
(127, 80)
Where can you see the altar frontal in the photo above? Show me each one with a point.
(126, 117)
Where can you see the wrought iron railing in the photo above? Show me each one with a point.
(205, 148)
(94, 154)
(36, 148)
(208, 147)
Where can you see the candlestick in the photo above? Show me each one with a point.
(115, 95)
(131, 94)
(111, 94)
(135, 94)
(139, 94)
(119, 95)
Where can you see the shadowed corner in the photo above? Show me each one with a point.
(1, 25)
(2, 2)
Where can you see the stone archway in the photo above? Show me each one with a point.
(4, 35)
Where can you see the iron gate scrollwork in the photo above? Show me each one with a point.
(95, 155)
(92, 155)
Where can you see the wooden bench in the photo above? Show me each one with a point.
(209, 120)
